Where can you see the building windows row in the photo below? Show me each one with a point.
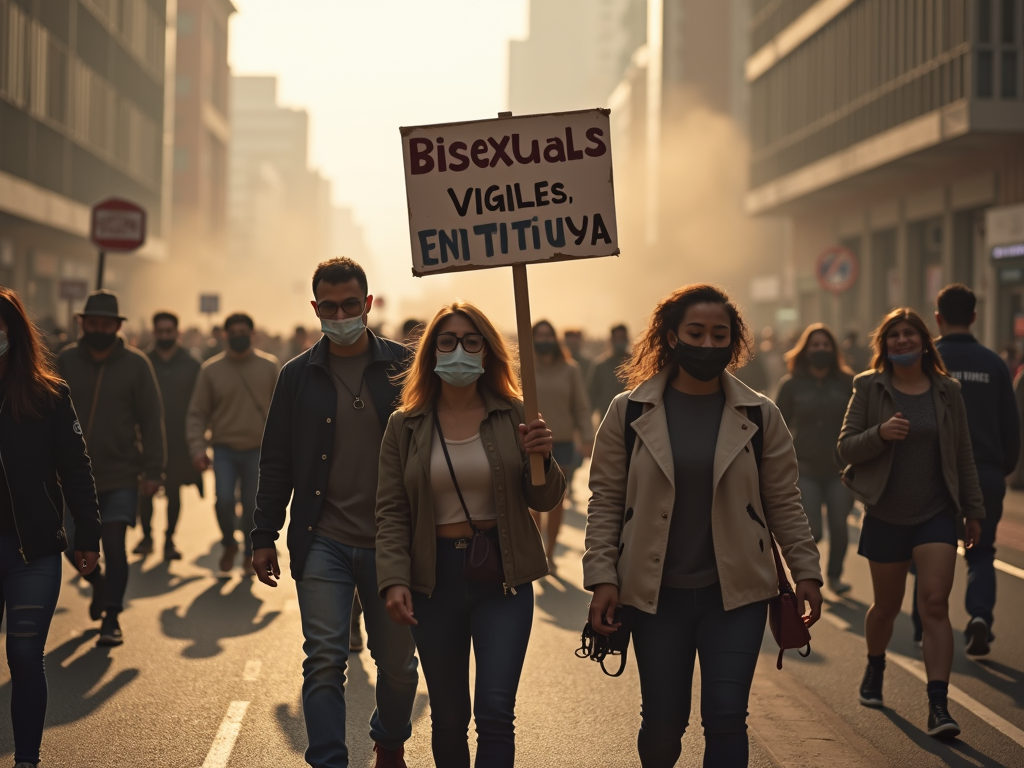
(138, 26)
(999, 33)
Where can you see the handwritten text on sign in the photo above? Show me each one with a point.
(492, 193)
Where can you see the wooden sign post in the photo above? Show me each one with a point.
(506, 193)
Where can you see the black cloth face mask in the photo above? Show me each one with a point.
(703, 363)
(99, 341)
(821, 358)
(238, 343)
(545, 347)
(165, 344)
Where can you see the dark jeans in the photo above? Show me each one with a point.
(116, 507)
(692, 623)
(173, 494)
(30, 592)
(332, 573)
(458, 614)
(235, 472)
(830, 492)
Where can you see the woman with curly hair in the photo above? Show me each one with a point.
(678, 528)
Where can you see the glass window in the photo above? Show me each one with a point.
(181, 158)
(183, 85)
(983, 80)
(1008, 82)
(186, 24)
(1007, 25)
(984, 21)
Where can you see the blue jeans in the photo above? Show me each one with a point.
(981, 570)
(459, 613)
(837, 499)
(118, 510)
(30, 592)
(691, 623)
(236, 475)
(332, 573)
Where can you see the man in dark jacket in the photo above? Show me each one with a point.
(604, 383)
(994, 424)
(320, 452)
(120, 411)
(176, 372)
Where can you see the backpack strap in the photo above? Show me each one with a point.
(634, 410)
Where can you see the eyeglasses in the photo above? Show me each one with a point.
(351, 308)
(471, 342)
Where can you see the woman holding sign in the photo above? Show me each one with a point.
(457, 549)
(679, 527)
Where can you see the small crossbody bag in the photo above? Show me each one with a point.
(483, 557)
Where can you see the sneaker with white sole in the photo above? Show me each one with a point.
(110, 631)
(977, 637)
(940, 724)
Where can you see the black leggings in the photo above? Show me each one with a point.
(116, 557)
(173, 493)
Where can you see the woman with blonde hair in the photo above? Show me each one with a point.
(457, 548)
(906, 441)
(678, 526)
(813, 397)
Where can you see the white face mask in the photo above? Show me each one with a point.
(458, 367)
(345, 332)
(4, 344)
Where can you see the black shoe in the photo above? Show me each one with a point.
(110, 632)
(977, 637)
(144, 547)
(96, 605)
(919, 638)
(171, 552)
(871, 687)
(940, 724)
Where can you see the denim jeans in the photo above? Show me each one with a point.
(118, 510)
(30, 592)
(498, 625)
(173, 494)
(332, 573)
(837, 499)
(236, 475)
(692, 623)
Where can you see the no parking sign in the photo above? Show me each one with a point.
(837, 269)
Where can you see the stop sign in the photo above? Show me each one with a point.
(118, 225)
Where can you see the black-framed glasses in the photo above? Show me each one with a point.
(471, 342)
(350, 307)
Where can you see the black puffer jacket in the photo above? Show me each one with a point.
(45, 464)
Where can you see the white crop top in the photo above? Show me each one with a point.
(473, 470)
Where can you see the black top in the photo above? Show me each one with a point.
(987, 389)
(6, 514)
(814, 410)
(693, 424)
(177, 379)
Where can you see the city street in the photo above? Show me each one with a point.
(210, 671)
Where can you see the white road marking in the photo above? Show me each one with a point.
(252, 669)
(965, 700)
(227, 734)
(1013, 570)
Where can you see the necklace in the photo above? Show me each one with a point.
(357, 401)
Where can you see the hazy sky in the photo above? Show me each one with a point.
(362, 69)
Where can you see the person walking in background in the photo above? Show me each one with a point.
(605, 382)
(411, 331)
(907, 443)
(994, 425)
(857, 356)
(573, 338)
(561, 395)
(298, 343)
(116, 388)
(812, 398)
(320, 454)
(43, 465)
(676, 529)
(231, 400)
(176, 373)
(454, 467)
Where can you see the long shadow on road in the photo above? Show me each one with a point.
(956, 754)
(213, 617)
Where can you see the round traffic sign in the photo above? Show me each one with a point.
(837, 269)
(118, 225)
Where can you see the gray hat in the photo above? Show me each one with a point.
(101, 304)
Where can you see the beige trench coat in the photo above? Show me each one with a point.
(629, 517)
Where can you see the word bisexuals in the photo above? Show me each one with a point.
(426, 155)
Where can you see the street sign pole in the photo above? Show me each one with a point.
(99, 270)
(116, 225)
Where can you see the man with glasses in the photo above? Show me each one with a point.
(320, 452)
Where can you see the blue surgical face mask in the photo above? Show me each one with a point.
(4, 344)
(458, 367)
(345, 332)
(907, 359)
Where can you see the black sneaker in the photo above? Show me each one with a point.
(96, 605)
(977, 637)
(110, 632)
(940, 724)
(171, 552)
(144, 547)
(871, 687)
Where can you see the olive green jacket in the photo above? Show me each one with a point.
(869, 457)
(406, 533)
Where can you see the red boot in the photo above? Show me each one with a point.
(389, 758)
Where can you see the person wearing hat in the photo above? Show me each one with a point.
(122, 420)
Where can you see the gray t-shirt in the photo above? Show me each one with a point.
(693, 424)
(916, 489)
(347, 513)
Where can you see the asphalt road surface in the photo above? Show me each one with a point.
(210, 671)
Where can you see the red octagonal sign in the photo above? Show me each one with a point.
(118, 225)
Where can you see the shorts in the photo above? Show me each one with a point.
(566, 455)
(120, 505)
(882, 542)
